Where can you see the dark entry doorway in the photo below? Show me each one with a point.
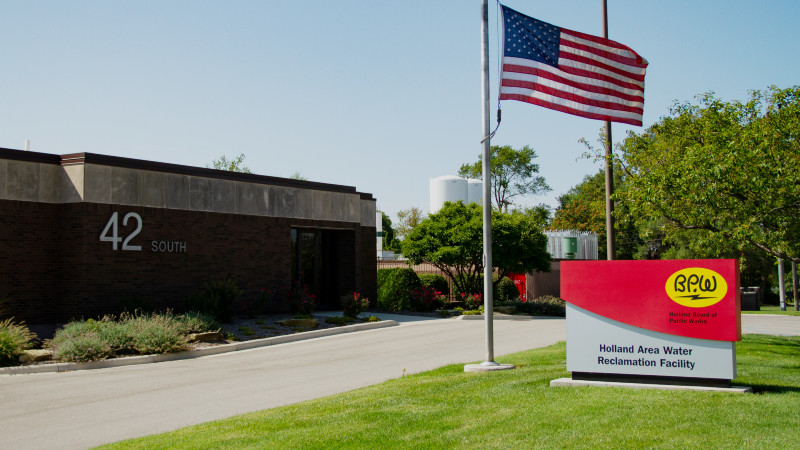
(318, 264)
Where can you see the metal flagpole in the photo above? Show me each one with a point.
(487, 188)
(610, 238)
(794, 285)
(489, 363)
(782, 284)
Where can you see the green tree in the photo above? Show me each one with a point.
(583, 208)
(541, 214)
(513, 174)
(390, 242)
(297, 176)
(235, 164)
(407, 220)
(728, 168)
(452, 240)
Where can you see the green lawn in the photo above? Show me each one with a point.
(769, 309)
(518, 409)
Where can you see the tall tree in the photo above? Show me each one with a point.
(235, 164)
(541, 214)
(583, 208)
(513, 174)
(451, 240)
(729, 168)
(390, 242)
(407, 220)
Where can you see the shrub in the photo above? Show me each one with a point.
(546, 305)
(14, 338)
(216, 299)
(339, 320)
(426, 299)
(506, 291)
(81, 341)
(503, 292)
(91, 340)
(384, 274)
(82, 348)
(119, 335)
(301, 300)
(436, 281)
(197, 322)
(354, 304)
(373, 319)
(160, 333)
(472, 301)
(395, 294)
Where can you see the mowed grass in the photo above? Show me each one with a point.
(771, 309)
(447, 408)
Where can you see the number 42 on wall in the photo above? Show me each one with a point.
(113, 227)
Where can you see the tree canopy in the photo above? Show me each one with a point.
(729, 168)
(513, 174)
(407, 220)
(452, 240)
(583, 208)
(390, 242)
(235, 164)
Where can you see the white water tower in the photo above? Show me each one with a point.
(475, 191)
(450, 188)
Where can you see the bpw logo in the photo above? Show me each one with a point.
(696, 287)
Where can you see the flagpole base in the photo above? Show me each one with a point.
(487, 366)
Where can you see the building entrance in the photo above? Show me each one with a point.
(317, 263)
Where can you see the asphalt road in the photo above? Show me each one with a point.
(91, 407)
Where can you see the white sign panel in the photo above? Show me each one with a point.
(596, 344)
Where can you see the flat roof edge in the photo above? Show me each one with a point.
(132, 163)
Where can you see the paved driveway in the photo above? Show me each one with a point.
(771, 324)
(86, 408)
(91, 407)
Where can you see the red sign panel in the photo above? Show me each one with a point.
(691, 298)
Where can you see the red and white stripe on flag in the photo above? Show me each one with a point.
(571, 72)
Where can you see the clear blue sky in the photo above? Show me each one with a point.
(378, 95)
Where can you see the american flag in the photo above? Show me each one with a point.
(571, 72)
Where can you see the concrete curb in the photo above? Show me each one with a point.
(189, 354)
(497, 316)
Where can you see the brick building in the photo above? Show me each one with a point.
(82, 234)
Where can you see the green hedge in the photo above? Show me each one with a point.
(505, 291)
(435, 281)
(546, 305)
(395, 287)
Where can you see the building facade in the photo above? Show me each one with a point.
(82, 235)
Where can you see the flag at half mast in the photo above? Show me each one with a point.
(571, 72)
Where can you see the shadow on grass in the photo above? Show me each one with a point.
(771, 389)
